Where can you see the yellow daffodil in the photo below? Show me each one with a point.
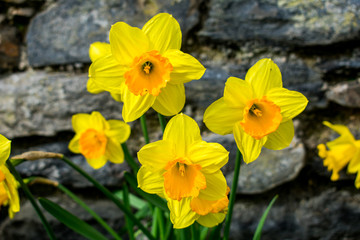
(144, 67)
(97, 139)
(186, 171)
(8, 185)
(343, 150)
(257, 110)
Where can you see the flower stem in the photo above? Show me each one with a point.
(129, 223)
(32, 201)
(162, 121)
(109, 195)
(89, 210)
(129, 159)
(144, 128)
(232, 194)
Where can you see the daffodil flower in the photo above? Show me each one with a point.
(8, 185)
(257, 110)
(98, 140)
(185, 171)
(343, 150)
(144, 67)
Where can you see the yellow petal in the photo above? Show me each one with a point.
(114, 151)
(182, 131)
(108, 74)
(98, 50)
(345, 135)
(170, 100)
(237, 92)
(354, 164)
(216, 186)
(181, 214)
(211, 220)
(357, 181)
(220, 118)
(249, 147)
(116, 97)
(135, 106)
(292, 103)
(150, 182)
(5, 146)
(164, 32)
(154, 156)
(98, 122)
(119, 130)
(80, 122)
(210, 156)
(185, 67)
(97, 163)
(92, 87)
(11, 188)
(127, 42)
(263, 76)
(74, 145)
(282, 137)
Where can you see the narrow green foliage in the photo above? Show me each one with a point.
(129, 223)
(129, 159)
(134, 201)
(162, 122)
(257, 235)
(144, 128)
(71, 221)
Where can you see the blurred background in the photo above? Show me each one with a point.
(43, 73)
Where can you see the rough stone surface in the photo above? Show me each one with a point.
(41, 103)
(63, 33)
(9, 47)
(301, 23)
(270, 170)
(346, 94)
(326, 215)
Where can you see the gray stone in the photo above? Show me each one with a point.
(27, 225)
(346, 94)
(63, 33)
(9, 47)
(270, 170)
(289, 23)
(329, 215)
(41, 103)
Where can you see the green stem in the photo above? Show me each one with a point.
(232, 194)
(162, 121)
(144, 128)
(129, 223)
(32, 200)
(129, 159)
(109, 195)
(89, 210)
(154, 227)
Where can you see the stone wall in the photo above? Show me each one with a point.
(43, 73)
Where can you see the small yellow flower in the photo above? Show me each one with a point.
(343, 150)
(8, 185)
(144, 67)
(186, 171)
(97, 139)
(258, 111)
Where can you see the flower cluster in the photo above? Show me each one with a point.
(8, 185)
(186, 171)
(342, 151)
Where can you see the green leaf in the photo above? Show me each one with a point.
(152, 198)
(71, 221)
(257, 234)
(135, 202)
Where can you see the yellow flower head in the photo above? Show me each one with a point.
(8, 185)
(97, 139)
(257, 110)
(144, 67)
(186, 171)
(342, 151)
